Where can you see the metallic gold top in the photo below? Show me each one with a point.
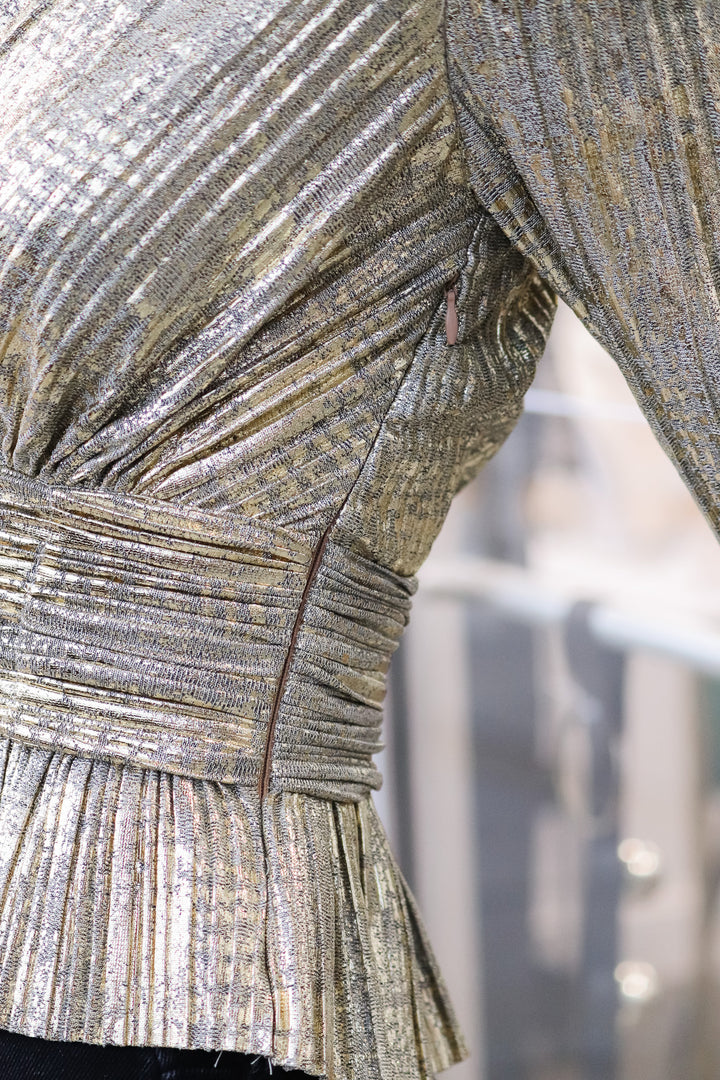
(273, 281)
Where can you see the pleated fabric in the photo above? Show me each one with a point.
(231, 426)
(137, 908)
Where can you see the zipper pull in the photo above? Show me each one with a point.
(451, 317)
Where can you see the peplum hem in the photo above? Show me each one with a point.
(139, 907)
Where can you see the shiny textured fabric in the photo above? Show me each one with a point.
(232, 419)
(208, 606)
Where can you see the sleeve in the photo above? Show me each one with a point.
(592, 134)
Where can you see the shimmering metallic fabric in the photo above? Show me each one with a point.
(231, 425)
(145, 907)
(592, 135)
(209, 607)
(231, 429)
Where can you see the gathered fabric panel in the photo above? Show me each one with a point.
(330, 717)
(141, 908)
(136, 630)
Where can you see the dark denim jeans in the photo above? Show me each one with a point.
(23, 1058)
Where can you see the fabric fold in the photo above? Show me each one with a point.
(141, 907)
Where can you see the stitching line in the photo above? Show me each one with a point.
(280, 692)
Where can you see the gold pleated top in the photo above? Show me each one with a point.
(234, 409)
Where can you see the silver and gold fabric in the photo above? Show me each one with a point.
(231, 425)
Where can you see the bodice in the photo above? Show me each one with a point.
(223, 311)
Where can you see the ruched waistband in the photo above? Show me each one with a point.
(138, 631)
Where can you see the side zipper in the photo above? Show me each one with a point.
(451, 315)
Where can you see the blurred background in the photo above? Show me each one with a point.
(552, 761)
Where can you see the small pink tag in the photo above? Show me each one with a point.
(451, 318)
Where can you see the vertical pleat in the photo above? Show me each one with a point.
(142, 908)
